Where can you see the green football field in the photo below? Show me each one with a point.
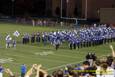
(38, 54)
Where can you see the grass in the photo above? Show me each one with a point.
(33, 53)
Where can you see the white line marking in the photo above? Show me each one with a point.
(63, 65)
(66, 56)
(42, 59)
(55, 61)
(67, 64)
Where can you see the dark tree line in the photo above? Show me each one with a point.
(22, 7)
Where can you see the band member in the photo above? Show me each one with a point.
(8, 41)
(57, 44)
(14, 43)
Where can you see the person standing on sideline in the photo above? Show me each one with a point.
(23, 70)
(33, 22)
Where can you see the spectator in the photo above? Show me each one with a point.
(40, 72)
(85, 66)
(58, 73)
(23, 70)
(30, 71)
(94, 56)
(9, 72)
(89, 57)
(104, 71)
(1, 71)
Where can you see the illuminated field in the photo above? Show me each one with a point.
(39, 54)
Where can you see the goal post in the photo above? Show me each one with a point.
(73, 21)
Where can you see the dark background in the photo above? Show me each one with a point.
(23, 7)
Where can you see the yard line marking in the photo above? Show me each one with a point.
(63, 65)
(44, 53)
(42, 59)
(66, 56)
(6, 60)
(55, 61)
(67, 64)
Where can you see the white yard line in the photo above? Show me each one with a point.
(66, 56)
(63, 65)
(67, 64)
(43, 59)
(54, 61)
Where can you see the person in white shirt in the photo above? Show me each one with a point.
(104, 71)
(8, 41)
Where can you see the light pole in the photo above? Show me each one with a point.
(86, 9)
(61, 10)
(12, 7)
(67, 9)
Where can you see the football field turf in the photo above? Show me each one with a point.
(40, 54)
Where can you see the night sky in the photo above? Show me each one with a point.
(23, 7)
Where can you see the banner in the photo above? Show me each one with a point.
(16, 33)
